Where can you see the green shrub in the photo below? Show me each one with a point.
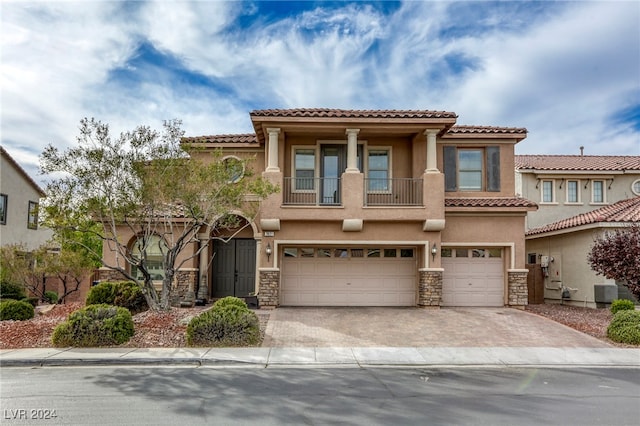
(95, 325)
(33, 301)
(625, 327)
(51, 297)
(10, 290)
(227, 324)
(16, 310)
(103, 293)
(126, 294)
(622, 305)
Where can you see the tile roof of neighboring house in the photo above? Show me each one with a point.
(238, 138)
(577, 162)
(351, 113)
(486, 130)
(489, 202)
(623, 211)
(20, 170)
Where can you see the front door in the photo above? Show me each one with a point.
(234, 267)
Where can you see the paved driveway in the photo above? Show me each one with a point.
(415, 327)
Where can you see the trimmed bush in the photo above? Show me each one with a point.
(625, 327)
(622, 305)
(93, 326)
(33, 301)
(16, 310)
(126, 294)
(9, 290)
(51, 297)
(228, 323)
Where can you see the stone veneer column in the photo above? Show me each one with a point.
(269, 292)
(518, 291)
(272, 161)
(432, 164)
(430, 287)
(352, 151)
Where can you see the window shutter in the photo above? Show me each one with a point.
(493, 168)
(450, 168)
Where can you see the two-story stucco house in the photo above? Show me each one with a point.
(580, 198)
(376, 208)
(19, 200)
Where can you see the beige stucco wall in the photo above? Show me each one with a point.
(570, 267)
(621, 189)
(19, 192)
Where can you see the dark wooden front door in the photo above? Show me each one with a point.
(234, 267)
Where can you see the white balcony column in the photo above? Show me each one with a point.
(432, 163)
(272, 164)
(352, 151)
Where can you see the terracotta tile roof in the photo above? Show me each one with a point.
(350, 113)
(222, 139)
(577, 162)
(623, 211)
(457, 130)
(489, 202)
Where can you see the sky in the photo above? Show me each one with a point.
(569, 72)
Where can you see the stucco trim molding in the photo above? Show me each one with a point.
(268, 269)
(352, 225)
(518, 271)
(270, 224)
(433, 225)
(431, 269)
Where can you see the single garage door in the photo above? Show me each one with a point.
(317, 276)
(472, 277)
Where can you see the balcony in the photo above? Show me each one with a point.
(393, 192)
(329, 192)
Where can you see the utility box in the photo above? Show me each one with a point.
(605, 294)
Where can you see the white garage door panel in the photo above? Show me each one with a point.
(348, 282)
(472, 282)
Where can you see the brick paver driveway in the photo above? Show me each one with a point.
(415, 327)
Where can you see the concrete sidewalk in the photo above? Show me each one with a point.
(354, 357)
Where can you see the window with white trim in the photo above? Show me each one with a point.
(470, 169)
(305, 169)
(635, 187)
(153, 247)
(573, 191)
(378, 161)
(597, 191)
(547, 194)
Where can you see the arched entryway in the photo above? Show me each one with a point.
(233, 263)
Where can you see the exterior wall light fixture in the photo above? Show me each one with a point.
(434, 251)
(268, 251)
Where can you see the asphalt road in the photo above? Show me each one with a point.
(314, 396)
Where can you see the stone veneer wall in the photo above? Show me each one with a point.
(269, 294)
(430, 287)
(110, 275)
(518, 291)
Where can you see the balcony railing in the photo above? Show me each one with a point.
(393, 192)
(312, 191)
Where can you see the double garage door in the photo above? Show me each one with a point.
(472, 277)
(317, 276)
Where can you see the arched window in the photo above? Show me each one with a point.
(154, 247)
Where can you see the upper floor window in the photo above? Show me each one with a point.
(547, 195)
(573, 194)
(597, 191)
(234, 168)
(472, 169)
(378, 168)
(635, 187)
(32, 215)
(305, 169)
(3, 209)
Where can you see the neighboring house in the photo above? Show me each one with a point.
(375, 208)
(562, 248)
(566, 185)
(19, 201)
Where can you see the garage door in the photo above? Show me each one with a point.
(313, 276)
(472, 277)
